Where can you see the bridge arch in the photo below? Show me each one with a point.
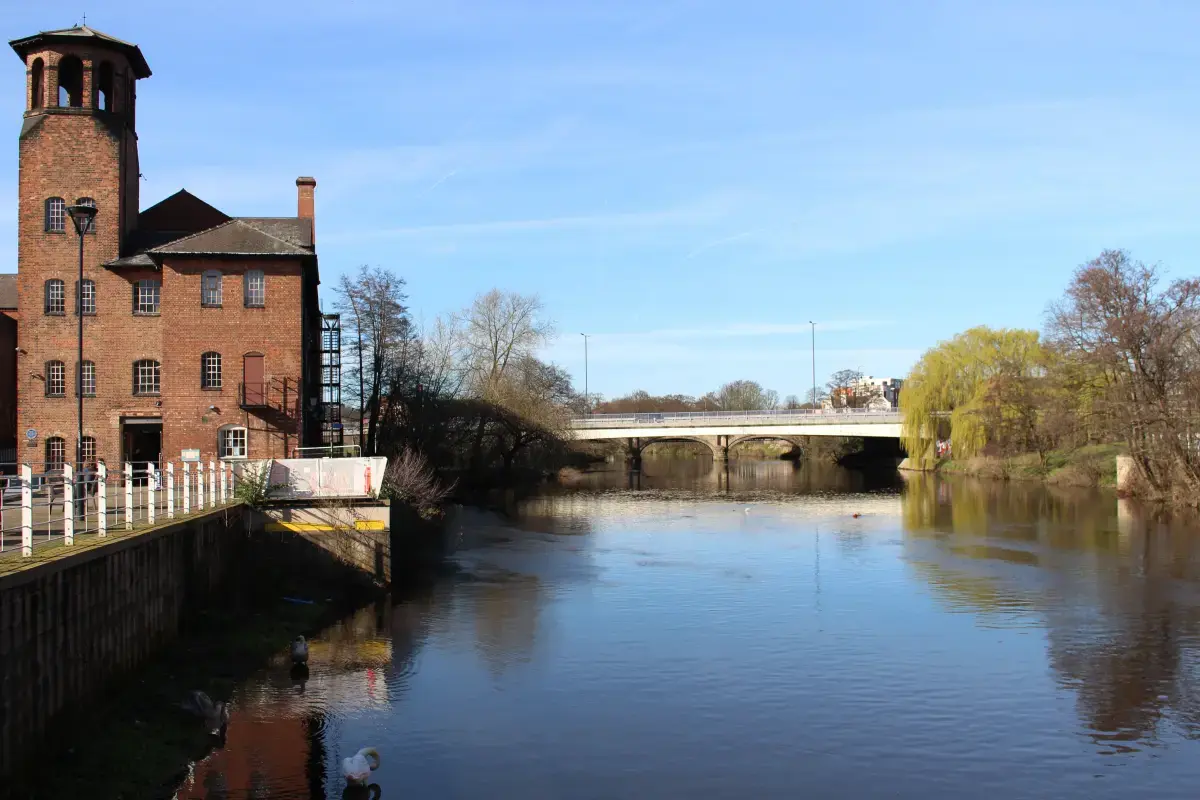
(635, 447)
(734, 441)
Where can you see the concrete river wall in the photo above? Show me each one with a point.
(70, 625)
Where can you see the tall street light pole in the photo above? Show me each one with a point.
(84, 217)
(587, 401)
(814, 364)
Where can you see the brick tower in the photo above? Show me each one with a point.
(78, 144)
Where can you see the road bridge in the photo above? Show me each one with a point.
(721, 430)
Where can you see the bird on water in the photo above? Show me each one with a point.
(215, 715)
(299, 651)
(358, 767)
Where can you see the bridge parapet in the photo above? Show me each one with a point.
(741, 419)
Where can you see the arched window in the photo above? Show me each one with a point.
(70, 82)
(85, 297)
(256, 288)
(87, 379)
(102, 80)
(211, 288)
(56, 297)
(91, 223)
(232, 442)
(147, 377)
(37, 76)
(210, 371)
(56, 215)
(87, 453)
(56, 453)
(56, 379)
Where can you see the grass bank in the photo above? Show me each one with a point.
(1093, 466)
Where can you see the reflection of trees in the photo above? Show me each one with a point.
(1118, 631)
(506, 618)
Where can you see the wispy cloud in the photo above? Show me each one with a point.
(682, 215)
(739, 330)
(719, 242)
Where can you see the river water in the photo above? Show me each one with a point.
(764, 631)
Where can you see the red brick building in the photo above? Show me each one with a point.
(201, 330)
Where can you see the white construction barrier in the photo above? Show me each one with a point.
(297, 478)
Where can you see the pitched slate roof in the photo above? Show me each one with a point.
(183, 224)
(8, 291)
(82, 34)
(242, 237)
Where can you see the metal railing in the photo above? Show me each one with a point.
(769, 416)
(328, 451)
(277, 394)
(46, 503)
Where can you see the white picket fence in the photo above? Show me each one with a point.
(97, 500)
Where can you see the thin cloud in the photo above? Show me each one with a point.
(719, 242)
(632, 219)
(742, 330)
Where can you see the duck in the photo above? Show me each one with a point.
(358, 767)
(215, 715)
(299, 651)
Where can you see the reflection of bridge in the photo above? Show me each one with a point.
(720, 430)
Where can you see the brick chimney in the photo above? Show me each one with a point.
(305, 201)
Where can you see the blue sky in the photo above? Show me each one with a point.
(690, 182)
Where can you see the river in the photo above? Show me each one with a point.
(762, 632)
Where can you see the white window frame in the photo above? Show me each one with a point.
(155, 374)
(255, 294)
(56, 297)
(56, 215)
(56, 377)
(83, 379)
(87, 297)
(147, 297)
(223, 447)
(87, 450)
(207, 373)
(211, 296)
(53, 443)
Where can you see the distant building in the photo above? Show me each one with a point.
(202, 331)
(877, 394)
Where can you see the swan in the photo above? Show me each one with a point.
(358, 767)
(215, 715)
(299, 651)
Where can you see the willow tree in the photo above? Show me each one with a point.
(965, 383)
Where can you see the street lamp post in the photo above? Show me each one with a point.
(587, 400)
(84, 217)
(814, 363)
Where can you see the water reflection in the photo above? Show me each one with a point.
(764, 630)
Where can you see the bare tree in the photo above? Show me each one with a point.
(848, 388)
(379, 330)
(746, 396)
(498, 330)
(1140, 343)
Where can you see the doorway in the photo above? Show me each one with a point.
(141, 442)
(254, 391)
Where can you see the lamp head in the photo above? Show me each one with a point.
(83, 216)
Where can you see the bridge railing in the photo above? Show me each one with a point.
(764, 416)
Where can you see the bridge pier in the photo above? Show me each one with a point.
(633, 453)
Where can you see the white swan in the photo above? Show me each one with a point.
(299, 651)
(215, 715)
(357, 768)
